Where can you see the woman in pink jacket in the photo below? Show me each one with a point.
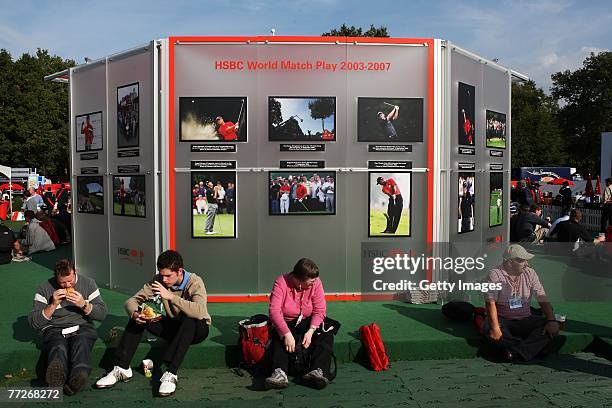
(297, 313)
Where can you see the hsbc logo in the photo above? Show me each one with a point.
(131, 255)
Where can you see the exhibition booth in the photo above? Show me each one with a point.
(248, 153)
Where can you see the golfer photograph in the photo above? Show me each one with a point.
(213, 119)
(389, 204)
(390, 119)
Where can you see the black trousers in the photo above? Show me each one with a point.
(394, 211)
(319, 350)
(180, 333)
(523, 337)
(606, 217)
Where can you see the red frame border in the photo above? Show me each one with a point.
(292, 39)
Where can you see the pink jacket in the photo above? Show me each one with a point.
(286, 302)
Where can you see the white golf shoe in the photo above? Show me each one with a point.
(111, 378)
(168, 384)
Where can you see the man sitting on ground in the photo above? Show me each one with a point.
(572, 231)
(65, 307)
(526, 222)
(510, 324)
(186, 321)
(36, 238)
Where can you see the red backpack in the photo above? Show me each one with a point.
(254, 338)
(370, 337)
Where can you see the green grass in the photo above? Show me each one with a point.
(498, 143)
(224, 225)
(378, 223)
(493, 219)
(130, 209)
(14, 225)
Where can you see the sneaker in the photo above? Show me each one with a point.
(75, 383)
(111, 378)
(211, 232)
(20, 258)
(316, 379)
(168, 384)
(56, 374)
(278, 379)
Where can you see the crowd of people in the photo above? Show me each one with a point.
(48, 224)
(300, 194)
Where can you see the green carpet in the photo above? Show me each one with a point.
(578, 380)
(410, 332)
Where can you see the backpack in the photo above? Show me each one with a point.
(458, 311)
(6, 244)
(375, 348)
(254, 338)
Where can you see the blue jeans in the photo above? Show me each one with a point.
(74, 352)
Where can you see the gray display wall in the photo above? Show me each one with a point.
(269, 245)
(118, 251)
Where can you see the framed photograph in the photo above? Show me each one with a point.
(129, 196)
(466, 202)
(389, 204)
(128, 122)
(299, 192)
(466, 130)
(213, 204)
(90, 194)
(213, 119)
(496, 199)
(390, 119)
(307, 119)
(496, 130)
(89, 132)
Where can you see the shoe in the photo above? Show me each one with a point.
(278, 379)
(316, 379)
(211, 232)
(75, 383)
(55, 375)
(20, 258)
(168, 384)
(111, 378)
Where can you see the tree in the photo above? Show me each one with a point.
(34, 118)
(321, 108)
(536, 138)
(352, 31)
(586, 109)
(276, 117)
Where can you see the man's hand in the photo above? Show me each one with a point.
(161, 290)
(308, 338)
(552, 328)
(58, 296)
(76, 299)
(495, 334)
(136, 316)
(289, 342)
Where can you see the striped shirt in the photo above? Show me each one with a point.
(524, 285)
(66, 314)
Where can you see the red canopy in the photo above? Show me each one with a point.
(588, 191)
(16, 186)
(560, 181)
(598, 186)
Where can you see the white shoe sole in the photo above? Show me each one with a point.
(166, 394)
(101, 387)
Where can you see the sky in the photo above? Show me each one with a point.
(298, 106)
(536, 38)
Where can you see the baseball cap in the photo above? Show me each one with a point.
(218, 117)
(516, 251)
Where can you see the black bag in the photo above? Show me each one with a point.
(458, 310)
(300, 361)
(7, 240)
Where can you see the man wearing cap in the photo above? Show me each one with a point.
(510, 325)
(227, 130)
